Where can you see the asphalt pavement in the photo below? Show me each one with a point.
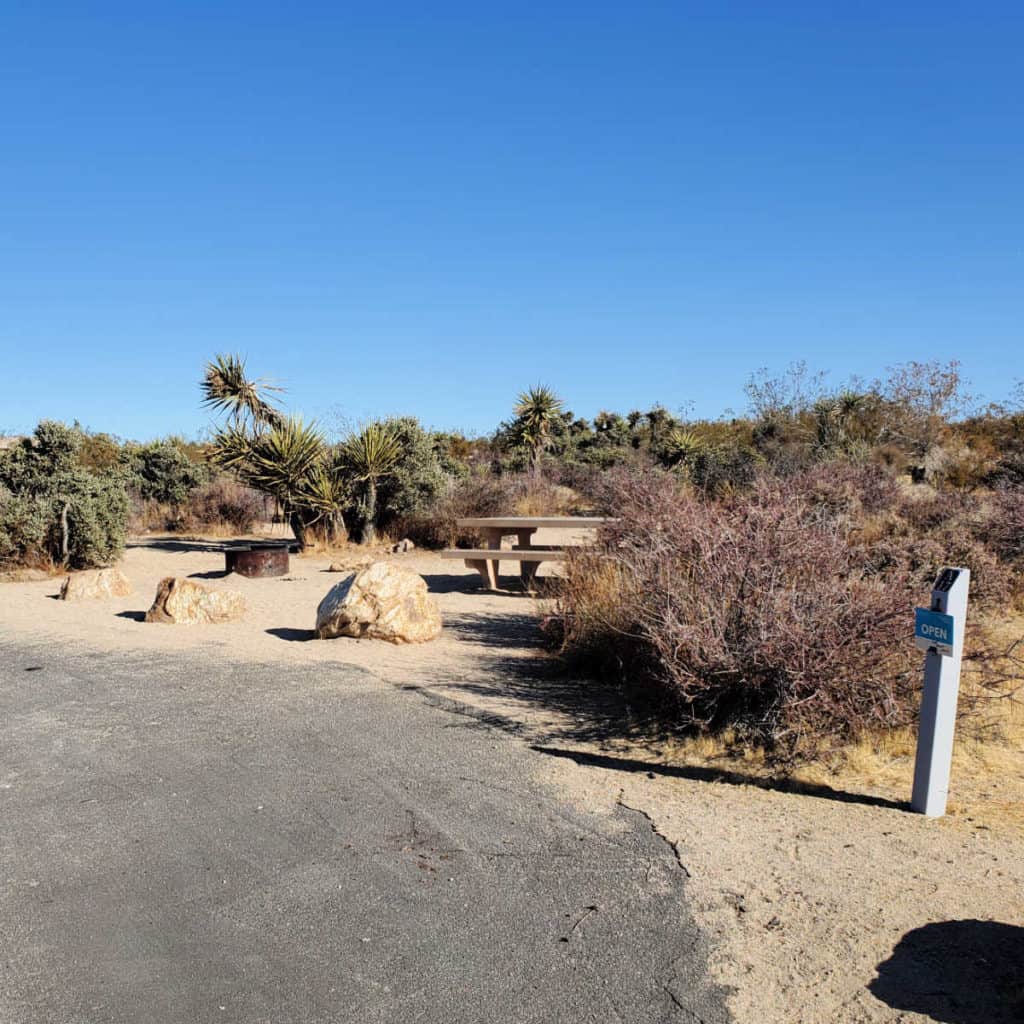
(186, 840)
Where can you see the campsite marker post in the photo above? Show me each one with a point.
(939, 632)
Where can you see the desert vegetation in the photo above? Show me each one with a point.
(757, 579)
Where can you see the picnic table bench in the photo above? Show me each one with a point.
(487, 561)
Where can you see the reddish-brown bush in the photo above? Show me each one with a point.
(1005, 526)
(222, 504)
(785, 613)
(757, 614)
(225, 503)
(926, 530)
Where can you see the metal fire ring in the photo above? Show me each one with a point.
(257, 560)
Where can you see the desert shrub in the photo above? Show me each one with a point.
(848, 490)
(606, 494)
(755, 615)
(716, 468)
(224, 503)
(163, 472)
(57, 510)
(1005, 527)
(419, 477)
(541, 496)
(930, 530)
(477, 496)
(24, 525)
(1008, 472)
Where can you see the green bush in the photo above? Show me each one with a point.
(162, 471)
(54, 509)
(419, 477)
(711, 467)
(23, 528)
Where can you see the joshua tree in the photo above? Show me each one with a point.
(369, 456)
(536, 411)
(247, 402)
(659, 419)
(290, 462)
(279, 455)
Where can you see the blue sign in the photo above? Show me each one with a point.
(933, 630)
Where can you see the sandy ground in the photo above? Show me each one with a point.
(836, 905)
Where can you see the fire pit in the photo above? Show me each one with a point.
(256, 560)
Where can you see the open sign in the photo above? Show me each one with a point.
(933, 631)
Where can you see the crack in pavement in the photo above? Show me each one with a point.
(671, 844)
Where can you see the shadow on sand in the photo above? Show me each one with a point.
(166, 544)
(957, 972)
(725, 776)
(515, 667)
(293, 635)
(134, 616)
(469, 583)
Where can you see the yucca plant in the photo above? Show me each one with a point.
(681, 446)
(226, 389)
(290, 462)
(279, 455)
(327, 493)
(837, 421)
(370, 455)
(536, 410)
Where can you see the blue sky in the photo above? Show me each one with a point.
(423, 208)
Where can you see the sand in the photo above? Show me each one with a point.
(833, 907)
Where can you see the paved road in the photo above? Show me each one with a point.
(184, 841)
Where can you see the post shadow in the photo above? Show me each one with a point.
(957, 972)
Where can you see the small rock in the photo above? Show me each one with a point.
(352, 566)
(95, 584)
(183, 602)
(380, 602)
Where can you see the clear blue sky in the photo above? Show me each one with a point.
(424, 207)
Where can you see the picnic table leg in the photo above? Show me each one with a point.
(481, 567)
(527, 570)
(492, 572)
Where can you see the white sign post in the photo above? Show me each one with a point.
(939, 631)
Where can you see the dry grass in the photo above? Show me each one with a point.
(987, 781)
(543, 498)
(987, 789)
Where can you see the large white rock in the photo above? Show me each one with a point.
(95, 584)
(381, 602)
(186, 603)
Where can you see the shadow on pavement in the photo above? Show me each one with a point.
(956, 972)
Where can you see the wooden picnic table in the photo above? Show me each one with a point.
(487, 561)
